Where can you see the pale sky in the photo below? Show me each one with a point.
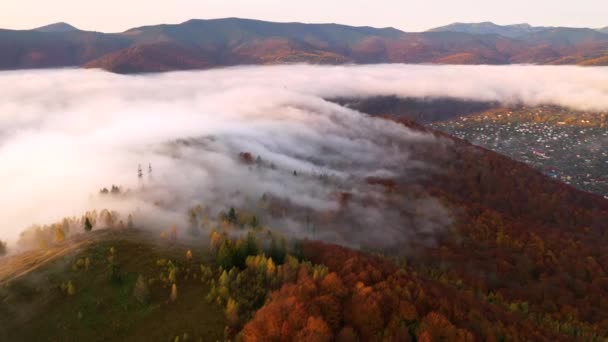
(120, 15)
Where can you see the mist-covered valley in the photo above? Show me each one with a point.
(66, 134)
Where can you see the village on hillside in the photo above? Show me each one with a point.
(566, 145)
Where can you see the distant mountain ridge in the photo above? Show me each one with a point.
(511, 31)
(199, 44)
(57, 27)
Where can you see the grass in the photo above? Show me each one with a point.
(34, 308)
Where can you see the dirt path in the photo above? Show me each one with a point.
(21, 264)
(18, 265)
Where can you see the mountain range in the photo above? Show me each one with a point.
(198, 44)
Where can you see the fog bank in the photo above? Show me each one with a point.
(65, 134)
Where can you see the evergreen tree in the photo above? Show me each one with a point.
(278, 250)
(232, 216)
(245, 247)
(226, 255)
(115, 274)
(254, 222)
(252, 245)
(87, 225)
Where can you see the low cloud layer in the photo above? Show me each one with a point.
(64, 134)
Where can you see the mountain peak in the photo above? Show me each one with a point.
(57, 27)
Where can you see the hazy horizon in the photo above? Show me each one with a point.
(103, 17)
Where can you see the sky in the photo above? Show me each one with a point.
(407, 15)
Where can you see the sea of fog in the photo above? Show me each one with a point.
(65, 134)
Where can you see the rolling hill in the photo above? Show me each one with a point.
(197, 44)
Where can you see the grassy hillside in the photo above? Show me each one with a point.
(98, 307)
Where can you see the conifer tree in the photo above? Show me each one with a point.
(87, 225)
(232, 216)
(225, 255)
(254, 222)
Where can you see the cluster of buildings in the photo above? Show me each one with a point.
(573, 151)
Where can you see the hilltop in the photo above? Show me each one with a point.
(57, 27)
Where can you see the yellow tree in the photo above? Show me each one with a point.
(59, 234)
(173, 296)
(232, 312)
